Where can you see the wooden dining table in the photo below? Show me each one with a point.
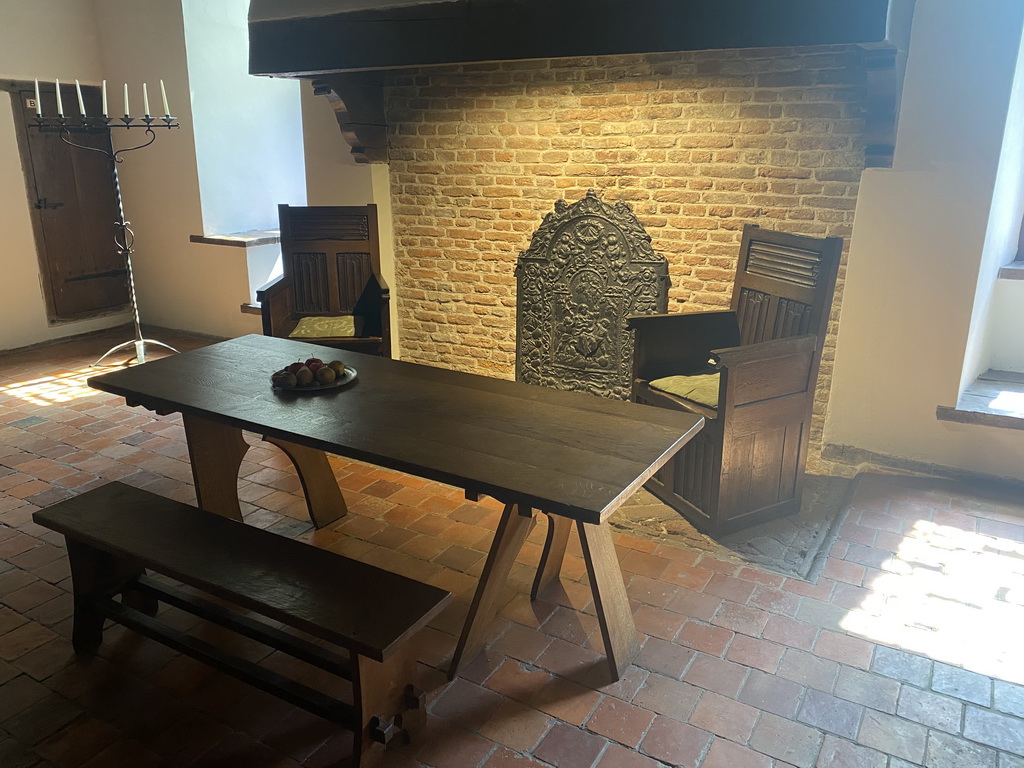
(573, 456)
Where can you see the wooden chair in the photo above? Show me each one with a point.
(751, 373)
(332, 291)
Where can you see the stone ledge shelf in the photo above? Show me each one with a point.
(1012, 271)
(249, 239)
(1003, 421)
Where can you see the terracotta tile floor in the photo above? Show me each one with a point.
(905, 652)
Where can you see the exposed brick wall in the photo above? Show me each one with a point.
(699, 143)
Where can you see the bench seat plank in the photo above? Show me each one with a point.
(292, 582)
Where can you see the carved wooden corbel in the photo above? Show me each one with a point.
(358, 102)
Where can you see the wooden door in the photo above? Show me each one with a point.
(74, 206)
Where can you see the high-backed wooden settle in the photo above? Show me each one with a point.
(751, 373)
(332, 291)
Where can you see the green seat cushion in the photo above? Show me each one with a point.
(325, 327)
(701, 388)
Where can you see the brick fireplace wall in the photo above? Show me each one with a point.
(700, 143)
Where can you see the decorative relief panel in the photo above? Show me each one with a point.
(309, 276)
(589, 266)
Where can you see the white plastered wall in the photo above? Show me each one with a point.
(180, 284)
(919, 248)
(45, 39)
(1005, 325)
(994, 330)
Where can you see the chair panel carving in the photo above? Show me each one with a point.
(310, 275)
(354, 273)
(590, 265)
(793, 265)
(321, 223)
(775, 294)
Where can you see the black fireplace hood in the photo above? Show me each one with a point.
(344, 46)
(311, 37)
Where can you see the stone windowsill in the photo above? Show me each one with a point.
(1012, 271)
(984, 402)
(249, 239)
(945, 413)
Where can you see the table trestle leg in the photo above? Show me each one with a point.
(621, 641)
(323, 496)
(550, 565)
(216, 452)
(515, 525)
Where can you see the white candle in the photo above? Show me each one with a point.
(127, 111)
(163, 95)
(105, 98)
(60, 104)
(145, 100)
(81, 101)
(39, 103)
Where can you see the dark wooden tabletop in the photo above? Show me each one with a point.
(565, 453)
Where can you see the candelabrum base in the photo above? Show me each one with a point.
(140, 350)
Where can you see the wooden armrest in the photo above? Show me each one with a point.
(274, 287)
(766, 350)
(380, 280)
(275, 300)
(667, 345)
(777, 374)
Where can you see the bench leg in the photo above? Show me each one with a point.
(613, 611)
(216, 453)
(323, 496)
(515, 525)
(95, 576)
(550, 565)
(388, 707)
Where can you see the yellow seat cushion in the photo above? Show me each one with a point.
(701, 388)
(325, 327)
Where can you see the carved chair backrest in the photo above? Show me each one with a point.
(589, 266)
(332, 255)
(784, 284)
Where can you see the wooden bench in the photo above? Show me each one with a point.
(115, 532)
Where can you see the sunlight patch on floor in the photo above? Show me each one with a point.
(59, 388)
(953, 595)
(1010, 403)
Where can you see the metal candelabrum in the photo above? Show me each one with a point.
(124, 237)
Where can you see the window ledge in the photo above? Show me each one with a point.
(249, 239)
(1000, 420)
(1012, 271)
(992, 400)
